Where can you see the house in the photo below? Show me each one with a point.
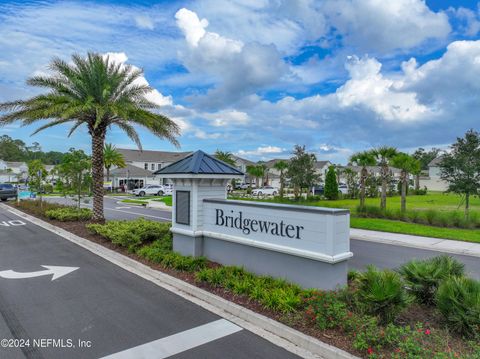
(13, 171)
(322, 169)
(433, 182)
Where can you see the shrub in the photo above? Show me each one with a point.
(458, 299)
(38, 208)
(423, 277)
(273, 294)
(133, 234)
(325, 309)
(381, 293)
(331, 185)
(67, 214)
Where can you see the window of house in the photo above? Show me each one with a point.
(159, 166)
(152, 166)
(145, 166)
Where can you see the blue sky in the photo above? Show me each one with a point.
(256, 77)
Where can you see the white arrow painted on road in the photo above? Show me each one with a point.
(55, 270)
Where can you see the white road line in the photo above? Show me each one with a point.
(180, 342)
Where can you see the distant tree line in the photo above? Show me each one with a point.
(18, 151)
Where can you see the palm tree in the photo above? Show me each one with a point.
(363, 159)
(281, 166)
(384, 155)
(96, 92)
(111, 157)
(225, 156)
(407, 164)
(255, 171)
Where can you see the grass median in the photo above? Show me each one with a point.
(446, 205)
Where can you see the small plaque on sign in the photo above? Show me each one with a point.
(182, 213)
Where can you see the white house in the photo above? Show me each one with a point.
(13, 171)
(433, 182)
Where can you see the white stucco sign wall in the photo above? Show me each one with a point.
(316, 233)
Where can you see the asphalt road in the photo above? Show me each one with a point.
(365, 253)
(99, 309)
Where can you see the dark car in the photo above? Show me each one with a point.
(7, 191)
(318, 190)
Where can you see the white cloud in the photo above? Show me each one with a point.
(469, 22)
(238, 69)
(227, 118)
(202, 135)
(261, 151)
(144, 22)
(382, 26)
(368, 87)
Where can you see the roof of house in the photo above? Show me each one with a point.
(271, 163)
(12, 164)
(130, 171)
(199, 163)
(321, 164)
(151, 156)
(242, 160)
(435, 162)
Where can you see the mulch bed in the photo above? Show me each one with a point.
(414, 314)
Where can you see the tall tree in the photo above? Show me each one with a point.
(74, 172)
(384, 155)
(460, 167)
(36, 175)
(352, 182)
(111, 157)
(11, 150)
(281, 166)
(407, 164)
(255, 171)
(302, 171)
(225, 156)
(331, 184)
(363, 159)
(96, 92)
(425, 157)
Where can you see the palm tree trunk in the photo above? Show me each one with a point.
(108, 174)
(362, 188)
(281, 184)
(98, 139)
(404, 192)
(417, 182)
(383, 197)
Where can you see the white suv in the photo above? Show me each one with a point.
(152, 189)
(267, 190)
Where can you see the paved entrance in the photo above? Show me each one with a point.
(99, 309)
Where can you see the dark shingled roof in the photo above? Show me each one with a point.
(200, 163)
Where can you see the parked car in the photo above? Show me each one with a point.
(318, 190)
(7, 191)
(267, 190)
(152, 189)
(343, 188)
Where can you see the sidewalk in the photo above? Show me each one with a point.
(406, 240)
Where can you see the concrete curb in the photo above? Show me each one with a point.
(269, 329)
(435, 244)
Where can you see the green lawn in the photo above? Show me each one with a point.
(385, 225)
(433, 200)
(167, 200)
